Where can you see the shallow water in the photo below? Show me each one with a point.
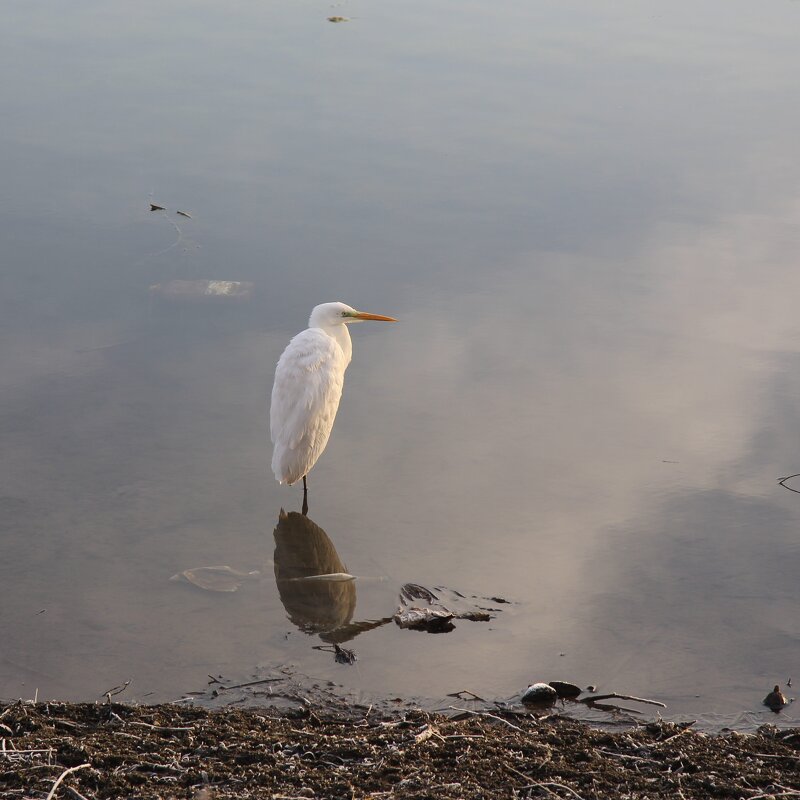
(586, 221)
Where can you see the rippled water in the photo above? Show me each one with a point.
(587, 222)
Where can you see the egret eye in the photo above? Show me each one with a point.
(344, 313)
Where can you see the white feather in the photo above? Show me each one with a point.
(307, 389)
(305, 397)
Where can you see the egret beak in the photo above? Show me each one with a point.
(377, 317)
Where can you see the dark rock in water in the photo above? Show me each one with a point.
(775, 699)
(566, 690)
(344, 656)
(422, 609)
(431, 620)
(475, 616)
(539, 694)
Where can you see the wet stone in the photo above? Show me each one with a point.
(539, 694)
(775, 699)
(564, 689)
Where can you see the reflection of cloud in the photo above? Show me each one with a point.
(577, 366)
(543, 411)
(702, 606)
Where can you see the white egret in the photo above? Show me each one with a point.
(308, 385)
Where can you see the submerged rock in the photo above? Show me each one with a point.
(540, 694)
(565, 689)
(433, 620)
(775, 699)
(422, 609)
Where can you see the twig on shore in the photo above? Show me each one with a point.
(786, 793)
(426, 733)
(625, 756)
(116, 690)
(12, 754)
(555, 785)
(150, 766)
(774, 755)
(487, 714)
(300, 796)
(62, 776)
(74, 793)
(687, 729)
(159, 727)
(522, 775)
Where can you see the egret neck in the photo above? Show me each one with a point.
(337, 331)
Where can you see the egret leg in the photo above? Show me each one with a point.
(305, 497)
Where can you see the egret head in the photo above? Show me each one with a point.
(328, 314)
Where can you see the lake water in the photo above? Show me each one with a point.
(587, 221)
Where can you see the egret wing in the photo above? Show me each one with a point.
(305, 397)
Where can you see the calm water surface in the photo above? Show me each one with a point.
(587, 221)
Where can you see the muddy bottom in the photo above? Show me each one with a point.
(111, 750)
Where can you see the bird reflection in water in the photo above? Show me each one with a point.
(315, 589)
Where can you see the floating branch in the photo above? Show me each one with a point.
(615, 696)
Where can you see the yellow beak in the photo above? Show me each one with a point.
(377, 317)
